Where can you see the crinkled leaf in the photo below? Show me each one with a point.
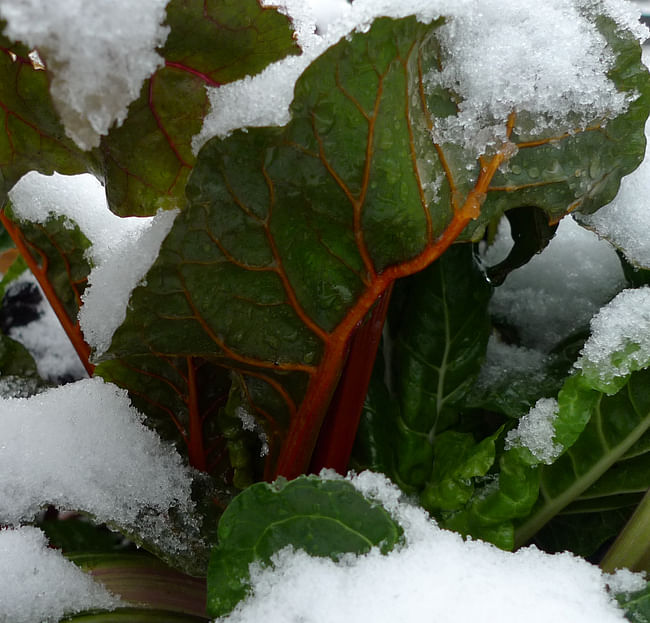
(322, 517)
(458, 461)
(148, 159)
(290, 232)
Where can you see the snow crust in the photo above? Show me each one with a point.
(40, 585)
(122, 249)
(99, 53)
(560, 289)
(83, 446)
(548, 62)
(434, 576)
(620, 339)
(535, 431)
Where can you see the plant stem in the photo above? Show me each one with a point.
(337, 435)
(71, 327)
(631, 549)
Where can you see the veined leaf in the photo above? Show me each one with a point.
(32, 137)
(148, 159)
(636, 605)
(616, 424)
(291, 234)
(322, 517)
(145, 162)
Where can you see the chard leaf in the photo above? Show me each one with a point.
(458, 461)
(292, 233)
(615, 424)
(145, 162)
(322, 517)
(32, 137)
(148, 159)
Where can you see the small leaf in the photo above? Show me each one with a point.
(636, 605)
(323, 517)
(458, 461)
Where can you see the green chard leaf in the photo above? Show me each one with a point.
(322, 517)
(614, 425)
(292, 233)
(146, 161)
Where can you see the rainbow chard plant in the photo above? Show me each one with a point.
(299, 249)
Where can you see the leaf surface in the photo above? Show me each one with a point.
(148, 159)
(322, 517)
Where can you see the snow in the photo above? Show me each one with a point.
(434, 576)
(624, 221)
(40, 585)
(47, 342)
(99, 53)
(549, 63)
(83, 446)
(122, 251)
(535, 431)
(619, 341)
(560, 289)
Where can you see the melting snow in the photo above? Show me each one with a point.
(535, 431)
(83, 446)
(619, 341)
(547, 61)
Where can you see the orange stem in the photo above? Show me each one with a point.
(298, 447)
(339, 430)
(72, 329)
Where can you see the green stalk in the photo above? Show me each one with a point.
(632, 546)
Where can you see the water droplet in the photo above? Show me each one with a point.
(533, 172)
(516, 169)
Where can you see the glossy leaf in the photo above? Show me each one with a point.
(322, 517)
(291, 234)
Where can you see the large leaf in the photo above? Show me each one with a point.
(322, 517)
(636, 605)
(292, 234)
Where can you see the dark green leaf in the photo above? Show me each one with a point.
(32, 137)
(291, 234)
(147, 160)
(322, 517)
